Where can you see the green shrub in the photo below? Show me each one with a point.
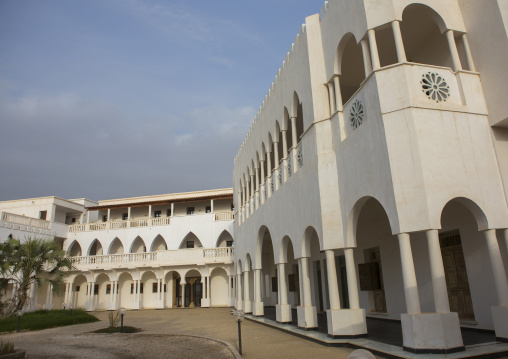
(43, 319)
(113, 319)
(6, 348)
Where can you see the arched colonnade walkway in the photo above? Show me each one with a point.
(440, 278)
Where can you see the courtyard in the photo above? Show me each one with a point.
(170, 334)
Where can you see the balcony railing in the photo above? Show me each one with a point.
(132, 223)
(170, 257)
(226, 216)
(26, 221)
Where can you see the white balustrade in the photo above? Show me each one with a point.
(226, 216)
(133, 223)
(27, 221)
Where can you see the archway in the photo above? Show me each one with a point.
(172, 288)
(116, 247)
(138, 246)
(79, 289)
(349, 65)
(125, 290)
(190, 241)
(193, 289)
(95, 248)
(159, 244)
(149, 284)
(74, 250)
(101, 299)
(218, 288)
(225, 240)
(265, 261)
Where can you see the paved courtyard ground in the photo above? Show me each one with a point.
(168, 334)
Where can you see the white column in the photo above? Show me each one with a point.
(129, 213)
(158, 289)
(109, 214)
(283, 284)
(150, 211)
(333, 286)
(437, 272)
(276, 153)
(399, 44)
(352, 282)
(246, 288)
(87, 216)
(338, 94)
(408, 274)
(293, 132)
(453, 50)
(269, 171)
(208, 288)
(211, 205)
(307, 298)
(366, 57)
(66, 295)
(257, 285)
(331, 98)
(284, 144)
(262, 165)
(48, 293)
(183, 294)
(326, 300)
(469, 57)
(373, 49)
(496, 263)
(172, 209)
(239, 303)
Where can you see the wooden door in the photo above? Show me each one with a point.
(457, 282)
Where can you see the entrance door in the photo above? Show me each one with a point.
(178, 292)
(198, 292)
(457, 282)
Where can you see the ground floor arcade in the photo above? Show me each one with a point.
(439, 279)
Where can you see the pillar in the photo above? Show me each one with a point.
(366, 57)
(408, 274)
(247, 303)
(496, 263)
(262, 189)
(352, 281)
(150, 211)
(441, 303)
(307, 313)
(183, 294)
(257, 309)
(66, 295)
(283, 309)
(109, 214)
(469, 57)
(373, 49)
(172, 209)
(338, 94)
(331, 98)
(269, 171)
(239, 304)
(453, 50)
(333, 286)
(252, 191)
(399, 44)
(276, 164)
(129, 213)
(284, 155)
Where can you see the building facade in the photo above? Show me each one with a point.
(373, 181)
(162, 251)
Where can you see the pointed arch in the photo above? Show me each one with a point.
(190, 241)
(138, 245)
(349, 65)
(74, 250)
(159, 244)
(116, 247)
(224, 238)
(95, 248)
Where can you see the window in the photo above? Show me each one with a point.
(73, 220)
(158, 214)
(164, 288)
(125, 216)
(168, 212)
(108, 288)
(77, 288)
(190, 210)
(208, 209)
(132, 288)
(105, 218)
(232, 207)
(96, 289)
(190, 244)
(229, 243)
(154, 287)
(43, 214)
(140, 288)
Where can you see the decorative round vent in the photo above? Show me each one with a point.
(356, 114)
(435, 87)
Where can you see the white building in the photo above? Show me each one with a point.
(142, 252)
(373, 181)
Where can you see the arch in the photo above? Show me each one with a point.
(95, 248)
(147, 274)
(239, 267)
(423, 35)
(101, 299)
(79, 291)
(297, 112)
(159, 244)
(474, 208)
(125, 295)
(190, 241)
(349, 65)
(116, 247)
(352, 224)
(223, 239)
(138, 245)
(308, 244)
(285, 245)
(74, 249)
(247, 263)
(218, 287)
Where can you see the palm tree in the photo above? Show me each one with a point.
(33, 261)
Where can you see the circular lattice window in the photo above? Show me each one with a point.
(356, 114)
(435, 87)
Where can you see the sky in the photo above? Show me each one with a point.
(118, 98)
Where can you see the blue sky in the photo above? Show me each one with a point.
(119, 98)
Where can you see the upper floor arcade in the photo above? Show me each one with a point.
(349, 71)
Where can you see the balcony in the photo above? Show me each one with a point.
(195, 256)
(27, 224)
